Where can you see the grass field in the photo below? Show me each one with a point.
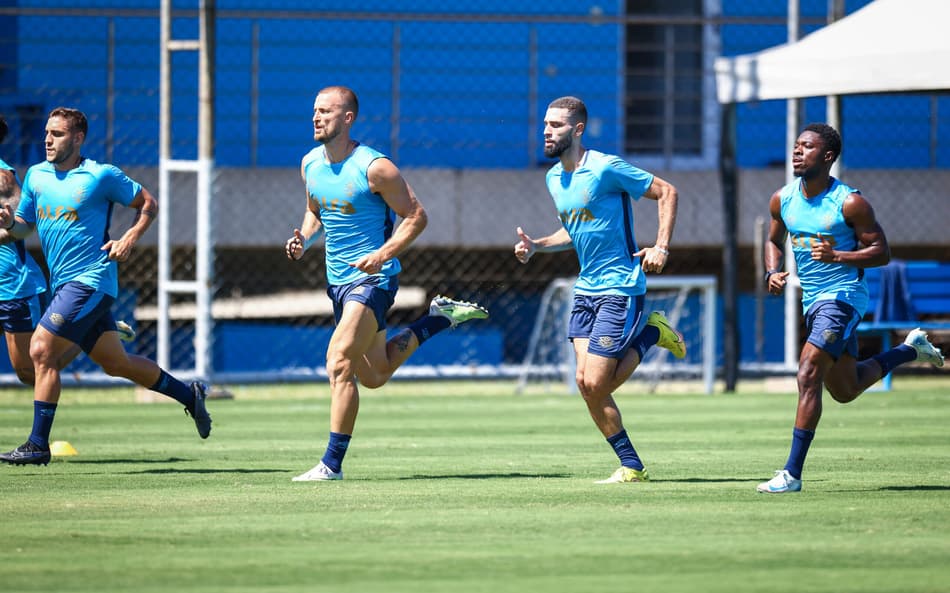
(465, 487)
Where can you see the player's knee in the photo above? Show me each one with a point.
(843, 393)
(372, 380)
(579, 379)
(42, 354)
(339, 367)
(593, 390)
(808, 373)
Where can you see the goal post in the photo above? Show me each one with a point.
(689, 303)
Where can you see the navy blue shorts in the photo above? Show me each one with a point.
(377, 293)
(79, 313)
(22, 315)
(831, 327)
(609, 321)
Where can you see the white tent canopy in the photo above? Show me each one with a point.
(887, 46)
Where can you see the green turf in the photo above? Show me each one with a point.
(466, 487)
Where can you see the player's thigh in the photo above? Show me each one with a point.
(831, 329)
(842, 376)
(376, 359)
(580, 356)
(81, 314)
(47, 348)
(18, 346)
(614, 327)
(355, 332)
(18, 318)
(108, 352)
(599, 372)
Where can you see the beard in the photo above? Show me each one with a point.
(559, 147)
(807, 172)
(59, 156)
(324, 136)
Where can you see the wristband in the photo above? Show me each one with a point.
(768, 274)
(662, 250)
(312, 239)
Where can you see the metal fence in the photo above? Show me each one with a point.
(456, 98)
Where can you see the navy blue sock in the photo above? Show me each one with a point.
(175, 389)
(43, 413)
(336, 449)
(645, 340)
(428, 326)
(624, 450)
(801, 439)
(895, 357)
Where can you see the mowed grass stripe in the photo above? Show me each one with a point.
(462, 487)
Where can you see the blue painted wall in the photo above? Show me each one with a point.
(464, 87)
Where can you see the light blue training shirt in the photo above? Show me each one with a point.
(356, 221)
(808, 220)
(72, 211)
(595, 205)
(20, 276)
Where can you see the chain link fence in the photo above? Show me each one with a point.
(457, 100)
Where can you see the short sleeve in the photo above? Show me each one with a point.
(27, 208)
(621, 176)
(121, 188)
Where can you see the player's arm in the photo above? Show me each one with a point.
(874, 252)
(386, 181)
(310, 229)
(556, 241)
(775, 247)
(11, 227)
(653, 259)
(146, 207)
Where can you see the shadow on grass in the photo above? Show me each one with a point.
(108, 461)
(708, 480)
(207, 471)
(920, 487)
(513, 475)
(170, 470)
(519, 475)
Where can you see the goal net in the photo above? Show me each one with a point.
(689, 304)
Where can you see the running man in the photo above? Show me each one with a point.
(353, 192)
(834, 236)
(23, 290)
(23, 294)
(68, 200)
(592, 192)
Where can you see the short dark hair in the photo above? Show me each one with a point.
(3, 128)
(350, 102)
(830, 138)
(77, 119)
(576, 110)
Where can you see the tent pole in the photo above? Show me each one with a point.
(792, 117)
(833, 102)
(729, 178)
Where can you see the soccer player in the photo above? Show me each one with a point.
(592, 192)
(834, 236)
(353, 192)
(23, 290)
(68, 201)
(22, 284)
